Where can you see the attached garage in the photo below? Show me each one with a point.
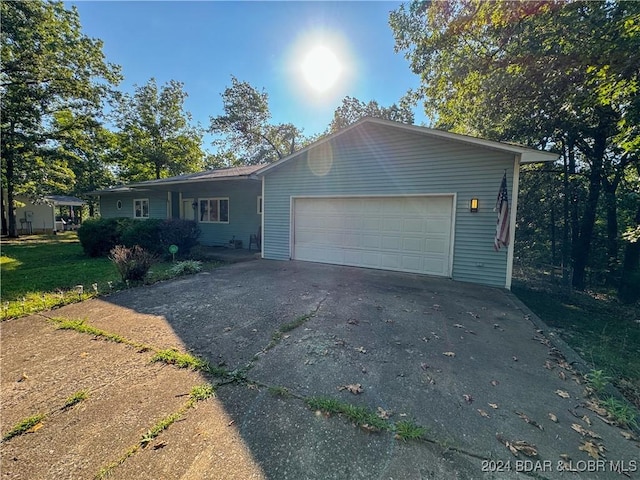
(385, 195)
(407, 234)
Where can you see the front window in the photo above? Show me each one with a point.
(141, 208)
(214, 210)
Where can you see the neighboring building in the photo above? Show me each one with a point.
(54, 213)
(378, 194)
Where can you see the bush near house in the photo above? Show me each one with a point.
(99, 236)
(133, 263)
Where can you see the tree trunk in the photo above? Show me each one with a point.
(582, 246)
(11, 213)
(5, 228)
(612, 227)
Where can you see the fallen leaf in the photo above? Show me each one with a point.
(457, 325)
(553, 418)
(583, 431)
(594, 407)
(565, 457)
(468, 398)
(563, 394)
(160, 444)
(471, 332)
(593, 449)
(515, 359)
(449, 354)
(227, 329)
(483, 413)
(495, 383)
(354, 388)
(36, 427)
(369, 428)
(474, 315)
(586, 420)
(562, 375)
(353, 321)
(424, 366)
(628, 435)
(524, 417)
(548, 365)
(231, 423)
(384, 414)
(361, 350)
(519, 446)
(494, 406)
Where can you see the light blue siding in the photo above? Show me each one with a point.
(157, 204)
(244, 219)
(376, 160)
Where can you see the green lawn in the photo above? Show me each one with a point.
(43, 271)
(605, 333)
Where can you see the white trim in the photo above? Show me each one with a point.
(527, 155)
(451, 195)
(262, 244)
(512, 220)
(142, 208)
(218, 199)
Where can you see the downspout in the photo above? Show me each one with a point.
(512, 220)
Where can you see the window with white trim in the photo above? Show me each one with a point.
(214, 210)
(260, 205)
(141, 208)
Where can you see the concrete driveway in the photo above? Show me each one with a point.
(470, 364)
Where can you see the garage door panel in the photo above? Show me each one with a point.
(410, 234)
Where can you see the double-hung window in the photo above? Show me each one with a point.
(214, 210)
(141, 208)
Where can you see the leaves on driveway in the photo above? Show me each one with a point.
(553, 418)
(493, 405)
(563, 394)
(495, 383)
(483, 413)
(384, 414)
(524, 417)
(583, 431)
(354, 388)
(361, 350)
(449, 354)
(518, 446)
(593, 449)
(468, 398)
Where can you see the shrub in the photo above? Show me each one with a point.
(132, 263)
(143, 233)
(185, 268)
(99, 236)
(183, 233)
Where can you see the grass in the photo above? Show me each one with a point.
(604, 332)
(24, 426)
(620, 412)
(171, 356)
(278, 335)
(75, 399)
(40, 272)
(408, 430)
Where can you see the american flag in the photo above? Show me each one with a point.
(502, 207)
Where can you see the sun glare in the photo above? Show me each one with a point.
(321, 68)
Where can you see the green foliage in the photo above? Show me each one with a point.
(245, 124)
(48, 66)
(82, 327)
(100, 235)
(186, 267)
(183, 233)
(202, 392)
(156, 138)
(408, 430)
(621, 412)
(280, 391)
(353, 110)
(172, 356)
(144, 234)
(76, 398)
(159, 427)
(597, 380)
(359, 415)
(133, 264)
(23, 426)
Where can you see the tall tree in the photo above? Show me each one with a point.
(548, 73)
(157, 138)
(47, 66)
(246, 128)
(351, 110)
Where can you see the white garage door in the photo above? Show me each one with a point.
(408, 234)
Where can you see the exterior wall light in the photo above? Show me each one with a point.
(473, 205)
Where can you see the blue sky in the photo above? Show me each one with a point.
(264, 43)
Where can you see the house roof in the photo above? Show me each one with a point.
(527, 155)
(56, 200)
(230, 173)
